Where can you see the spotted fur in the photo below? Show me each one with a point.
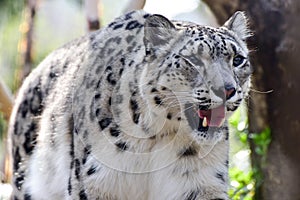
(116, 114)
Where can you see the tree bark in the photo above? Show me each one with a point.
(276, 63)
(92, 14)
(6, 100)
(222, 8)
(6, 104)
(28, 30)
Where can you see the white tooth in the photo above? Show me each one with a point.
(204, 123)
(223, 120)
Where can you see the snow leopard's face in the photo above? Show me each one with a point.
(204, 71)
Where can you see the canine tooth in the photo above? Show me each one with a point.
(204, 123)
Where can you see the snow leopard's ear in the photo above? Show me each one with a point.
(158, 31)
(238, 23)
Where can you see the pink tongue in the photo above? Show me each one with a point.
(215, 117)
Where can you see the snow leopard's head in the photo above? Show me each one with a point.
(199, 72)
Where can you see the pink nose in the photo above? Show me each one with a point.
(229, 93)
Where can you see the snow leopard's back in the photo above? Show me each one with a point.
(53, 79)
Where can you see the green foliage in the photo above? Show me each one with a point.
(244, 182)
(10, 19)
(2, 126)
(11, 7)
(261, 141)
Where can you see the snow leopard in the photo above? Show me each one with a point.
(136, 110)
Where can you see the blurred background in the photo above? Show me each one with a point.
(265, 132)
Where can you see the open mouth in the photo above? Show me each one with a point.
(202, 118)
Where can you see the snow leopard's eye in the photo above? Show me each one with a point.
(238, 60)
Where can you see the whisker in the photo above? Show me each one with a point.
(261, 92)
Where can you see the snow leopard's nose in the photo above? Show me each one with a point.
(229, 91)
(225, 92)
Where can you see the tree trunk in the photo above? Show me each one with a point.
(28, 27)
(92, 14)
(276, 63)
(6, 100)
(6, 104)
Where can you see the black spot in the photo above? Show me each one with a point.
(220, 176)
(91, 171)
(201, 99)
(226, 163)
(122, 60)
(121, 71)
(23, 109)
(19, 181)
(36, 105)
(134, 92)
(82, 195)
(109, 101)
(152, 137)
(131, 63)
(69, 186)
(111, 24)
(71, 129)
(157, 100)
(146, 16)
(98, 111)
(136, 117)
(122, 146)
(30, 138)
(52, 75)
(150, 82)
(27, 196)
(132, 25)
(97, 96)
(179, 118)
(169, 116)
(135, 107)
(190, 151)
(17, 159)
(114, 132)
(148, 52)
(163, 88)
(110, 79)
(77, 168)
(16, 128)
(104, 123)
(71, 125)
(108, 68)
(128, 15)
(192, 195)
(226, 135)
(154, 90)
(86, 153)
(118, 26)
(99, 83)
